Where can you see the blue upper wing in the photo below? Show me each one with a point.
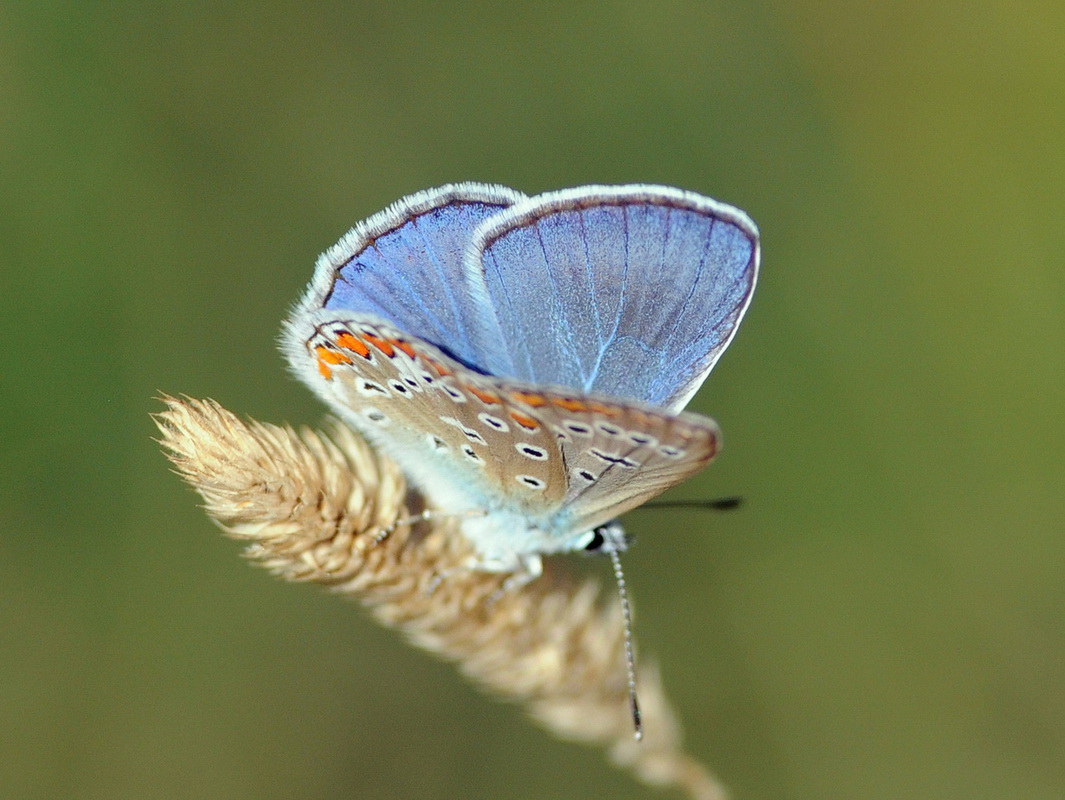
(632, 291)
(404, 265)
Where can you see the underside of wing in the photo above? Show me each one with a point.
(632, 457)
(463, 442)
(567, 461)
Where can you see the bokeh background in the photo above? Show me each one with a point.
(884, 618)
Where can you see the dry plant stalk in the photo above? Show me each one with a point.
(316, 508)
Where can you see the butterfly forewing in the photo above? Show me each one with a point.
(620, 454)
(405, 264)
(638, 288)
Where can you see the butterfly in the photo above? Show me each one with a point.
(526, 360)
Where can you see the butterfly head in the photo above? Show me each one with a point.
(610, 537)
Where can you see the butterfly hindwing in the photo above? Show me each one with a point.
(500, 441)
(446, 425)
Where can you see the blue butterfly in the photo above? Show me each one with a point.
(524, 359)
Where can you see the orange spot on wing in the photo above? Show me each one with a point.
(526, 422)
(641, 420)
(609, 411)
(330, 356)
(324, 369)
(569, 404)
(534, 400)
(350, 342)
(441, 370)
(399, 344)
(380, 344)
(485, 397)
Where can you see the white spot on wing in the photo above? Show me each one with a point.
(531, 482)
(495, 423)
(531, 451)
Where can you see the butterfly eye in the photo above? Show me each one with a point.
(597, 541)
(610, 537)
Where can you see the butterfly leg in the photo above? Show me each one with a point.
(523, 569)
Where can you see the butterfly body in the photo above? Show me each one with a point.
(525, 360)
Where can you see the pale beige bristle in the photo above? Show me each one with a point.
(327, 509)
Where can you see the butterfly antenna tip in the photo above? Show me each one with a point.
(630, 656)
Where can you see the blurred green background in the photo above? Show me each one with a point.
(885, 618)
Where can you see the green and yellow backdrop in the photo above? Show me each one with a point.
(884, 618)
